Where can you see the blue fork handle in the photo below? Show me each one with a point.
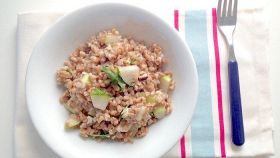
(235, 104)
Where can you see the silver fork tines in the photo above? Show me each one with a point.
(226, 17)
(226, 13)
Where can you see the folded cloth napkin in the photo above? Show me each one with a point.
(210, 132)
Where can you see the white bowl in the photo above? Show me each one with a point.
(68, 33)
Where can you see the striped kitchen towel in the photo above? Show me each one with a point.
(209, 133)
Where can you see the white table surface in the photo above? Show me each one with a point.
(8, 17)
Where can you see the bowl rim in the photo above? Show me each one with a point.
(95, 5)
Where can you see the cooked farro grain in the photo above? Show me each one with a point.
(115, 87)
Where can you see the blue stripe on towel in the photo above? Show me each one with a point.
(202, 132)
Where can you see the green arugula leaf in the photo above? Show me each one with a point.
(114, 76)
(102, 136)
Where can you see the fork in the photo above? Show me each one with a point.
(226, 17)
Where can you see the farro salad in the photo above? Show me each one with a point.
(115, 87)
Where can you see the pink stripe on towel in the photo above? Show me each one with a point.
(218, 80)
